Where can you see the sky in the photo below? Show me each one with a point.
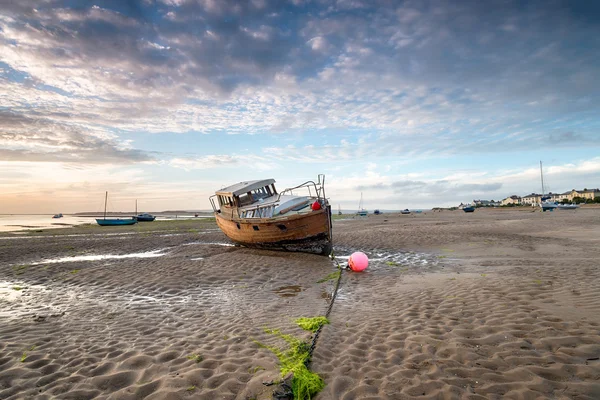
(414, 104)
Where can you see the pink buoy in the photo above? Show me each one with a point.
(358, 261)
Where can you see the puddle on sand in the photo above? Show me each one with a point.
(147, 254)
(209, 244)
(288, 291)
(399, 260)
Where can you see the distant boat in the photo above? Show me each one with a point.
(59, 215)
(144, 217)
(405, 211)
(113, 221)
(567, 206)
(468, 209)
(339, 210)
(361, 211)
(377, 212)
(545, 202)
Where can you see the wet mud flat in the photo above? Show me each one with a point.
(448, 307)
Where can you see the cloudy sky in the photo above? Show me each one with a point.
(414, 103)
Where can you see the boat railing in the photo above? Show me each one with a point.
(319, 188)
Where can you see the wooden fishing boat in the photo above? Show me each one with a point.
(254, 214)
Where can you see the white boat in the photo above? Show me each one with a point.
(545, 202)
(567, 206)
(548, 205)
(361, 211)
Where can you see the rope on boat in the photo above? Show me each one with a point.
(335, 291)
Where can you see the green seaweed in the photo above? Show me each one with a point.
(195, 357)
(305, 384)
(311, 324)
(255, 369)
(191, 388)
(332, 276)
(19, 269)
(24, 356)
(17, 288)
(75, 271)
(391, 263)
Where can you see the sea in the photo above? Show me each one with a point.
(24, 222)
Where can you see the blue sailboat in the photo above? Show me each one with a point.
(114, 221)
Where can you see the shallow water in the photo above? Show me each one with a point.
(96, 257)
(385, 259)
(10, 223)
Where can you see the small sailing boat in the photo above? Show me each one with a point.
(339, 210)
(545, 202)
(361, 211)
(113, 221)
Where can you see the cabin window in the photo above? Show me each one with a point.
(238, 225)
(255, 227)
(246, 199)
(260, 193)
(273, 187)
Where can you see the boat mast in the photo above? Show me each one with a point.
(135, 206)
(105, 200)
(360, 202)
(542, 175)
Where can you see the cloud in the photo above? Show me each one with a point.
(221, 161)
(38, 139)
(439, 187)
(421, 78)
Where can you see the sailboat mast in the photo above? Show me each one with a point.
(135, 206)
(105, 200)
(542, 175)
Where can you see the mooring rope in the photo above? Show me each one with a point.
(318, 332)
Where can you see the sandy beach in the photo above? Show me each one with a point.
(497, 304)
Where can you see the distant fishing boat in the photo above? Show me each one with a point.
(59, 215)
(405, 211)
(376, 212)
(567, 206)
(468, 209)
(113, 221)
(339, 210)
(144, 217)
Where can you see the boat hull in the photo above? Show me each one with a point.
(567, 207)
(469, 209)
(309, 233)
(115, 222)
(145, 219)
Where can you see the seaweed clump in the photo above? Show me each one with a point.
(305, 384)
(312, 324)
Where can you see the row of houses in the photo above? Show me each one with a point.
(535, 199)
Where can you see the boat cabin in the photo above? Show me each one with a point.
(246, 193)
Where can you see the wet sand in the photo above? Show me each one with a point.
(494, 304)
